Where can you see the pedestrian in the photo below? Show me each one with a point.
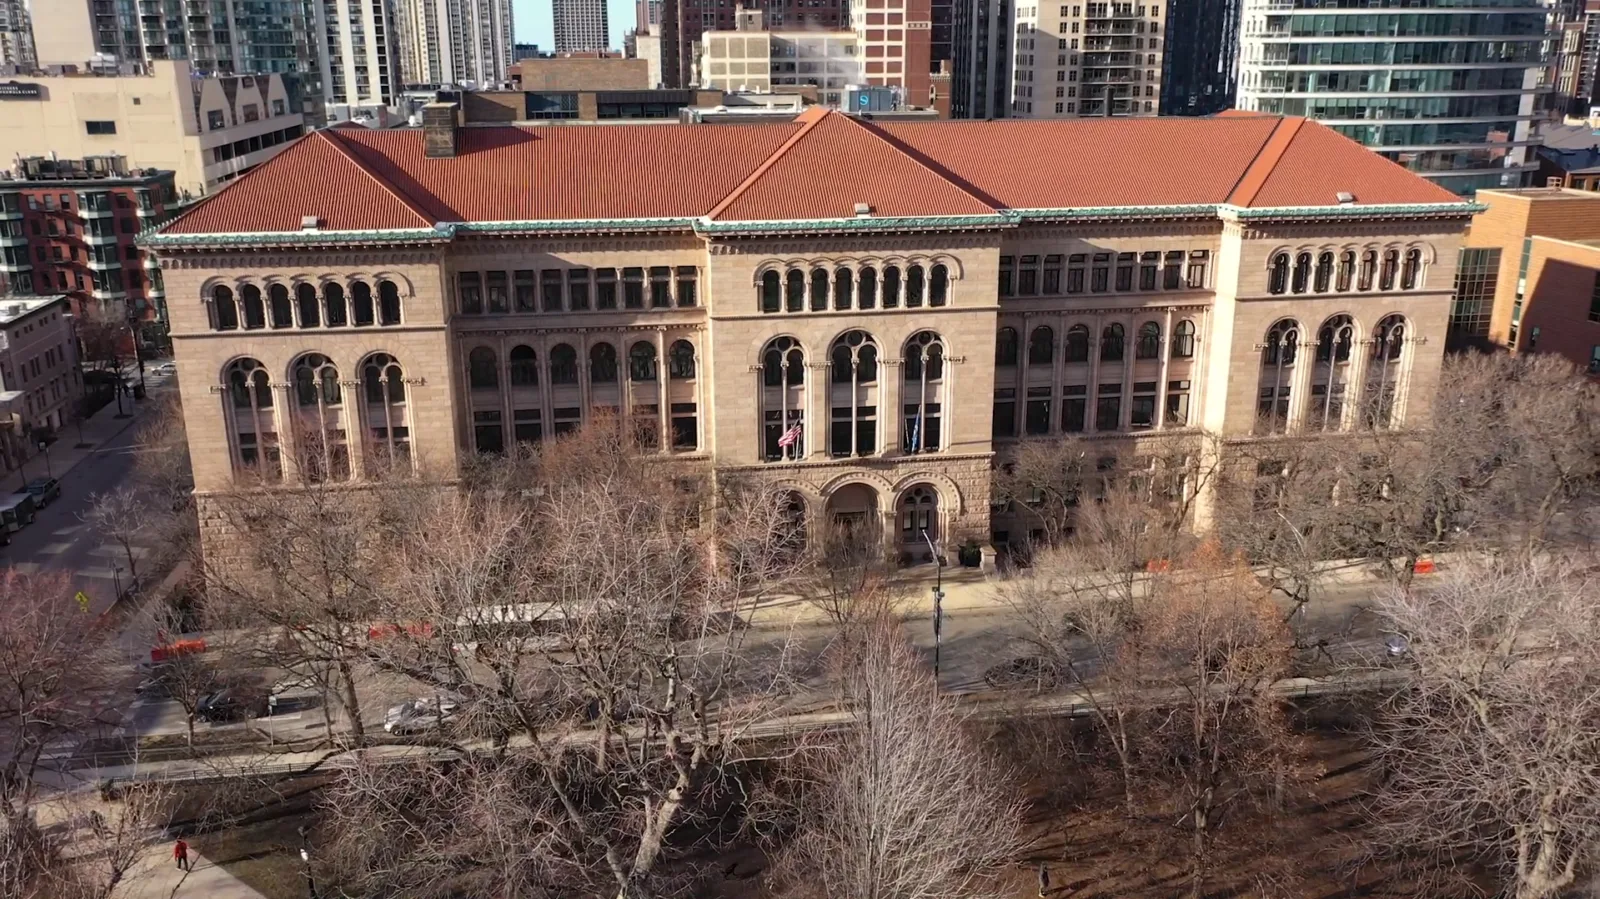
(1044, 880)
(180, 854)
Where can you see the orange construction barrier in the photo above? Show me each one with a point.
(1424, 566)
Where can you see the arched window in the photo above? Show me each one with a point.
(603, 364)
(771, 292)
(255, 311)
(819, 290)
(841, 288)
(248, 385)
(1302, 273)
(1149, 344)
(1112, 343)
(388, 303)
(227, 314)
(1391, 262)
(1278, 355)
(891, 287)
(1324, 274)
(917, 515)
(1384, 372)
(316, 381)
(923, 394)
(1183, 340)
(1042, 346)
(333, 300)
(867, 288)
(1347, 270)
(795, 291)
(782, 399)
(250, 395)
(282, 310)
(914, 286)
(483, 370)
(1005, 347)
(680, 361)
(1369, 268)
(524, 366)
(1410, 269)
(853, 395)
(783, 363)
(1077, 346)
(305, 296)
(938, 285)
(563, 364)
(1278, 274)
(384, 385)
(361, 303)
(642, 361)
(1330, 377)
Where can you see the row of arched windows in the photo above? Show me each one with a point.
(336, 306)
(316, 396)
(1112, 346)
(1322, 273)
(1341, 395)
(853, 398)
(523, 369)
(844, 288)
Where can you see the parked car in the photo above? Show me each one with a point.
(231, 704)
(167, 368)
(419, 716)
(1025, 671)
(43, 490)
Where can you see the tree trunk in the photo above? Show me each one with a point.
(352, 702)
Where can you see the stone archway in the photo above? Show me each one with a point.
(852, 516)
(917, 522)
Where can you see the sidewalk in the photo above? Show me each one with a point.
(157, 876)
(67, 451)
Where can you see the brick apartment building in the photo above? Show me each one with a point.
(70, 227)
(873, 314)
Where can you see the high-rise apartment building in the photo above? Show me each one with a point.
(980, 59)
(894, 38)
(16, 34)
(1088, 59)
(679, 24)
(359, 61)
(580, 25)
(1200, 65)
(454, 41)
(1448, 91)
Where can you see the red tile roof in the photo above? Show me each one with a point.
(816, 167)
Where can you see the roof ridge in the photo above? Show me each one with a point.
(1255, 175)
(238, 180)
(808, 121)
(946, 177)
(405, 198)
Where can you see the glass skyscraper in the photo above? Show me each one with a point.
(1446, 88)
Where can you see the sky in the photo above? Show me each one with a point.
(531, 19)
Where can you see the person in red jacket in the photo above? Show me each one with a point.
(180, 854)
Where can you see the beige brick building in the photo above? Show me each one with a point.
(868, 312)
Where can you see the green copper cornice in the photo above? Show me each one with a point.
(576, 226)
(440, 234)
(1355, 210)
(1095, 213)
(861, 223)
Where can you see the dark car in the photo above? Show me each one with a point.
(229, 705)
(43, 490)
(1037, 672)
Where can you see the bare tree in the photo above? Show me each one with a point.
(119, 516)
(1211, 648)
(1489, 750)
(907, 804)
(1046, 480)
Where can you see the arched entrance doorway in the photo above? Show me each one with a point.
(917, 523)
(852, 517)
(794, 521)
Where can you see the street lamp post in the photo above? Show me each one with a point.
(938, 606)
(305, 862)
(45, 448)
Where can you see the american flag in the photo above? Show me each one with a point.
(790, 437)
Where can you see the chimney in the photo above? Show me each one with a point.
(440, 122)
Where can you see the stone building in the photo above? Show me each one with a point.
(868, 312)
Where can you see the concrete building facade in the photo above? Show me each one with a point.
(1451, 92)
(869, 313)
(69, 228)
(455, 41)
(1088, 59)
(753, 58)
(40, 380)
(206, 130)
(580, 25)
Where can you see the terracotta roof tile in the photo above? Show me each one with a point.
(860, 166)
(818, 166)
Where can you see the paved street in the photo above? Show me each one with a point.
(58, 540)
